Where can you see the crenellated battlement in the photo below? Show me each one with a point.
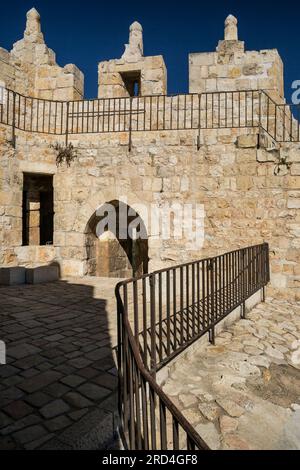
(30, 68)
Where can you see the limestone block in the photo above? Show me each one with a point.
(65, 80)
(279, 280)
(295, 169)
(244, 183)
(252, 69)
(293, 203)
(202, 58)
(72, 268)
(63, 94)
(42, 274)
(247, 141)
(12, 276)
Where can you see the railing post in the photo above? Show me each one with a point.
(130, 127)
(152, 325)
(120, 330)
(212, 294)
(67, 124)
(243, 305)
(199, 123)
(13, 138)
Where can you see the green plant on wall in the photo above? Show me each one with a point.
(281, 162)
(65, 153)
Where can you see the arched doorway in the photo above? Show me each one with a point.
(116, 242)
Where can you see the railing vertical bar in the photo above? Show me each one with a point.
(145, 326)
(153, 324)
(198, 297)
(193, 301)
(152, 419)
(181, 307)
(187, 296)
(163, 425)
(203, 294)
(174, 310)
(135, 310)
(137, 383)
(175, 434)
(145, 413)
(168, 312)
(160, 312)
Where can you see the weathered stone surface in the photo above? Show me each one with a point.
(30, 434)
(247, 141)
(188, 400)
(40, 381)
(230, 407)
(54, 408)
(18, 409)
(252, 411)
(210, 411)
(58, 423)
(228, 424)
(93, 392)
(234, 442)
(209, 434)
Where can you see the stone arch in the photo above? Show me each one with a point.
(115, 251)
(97, 200)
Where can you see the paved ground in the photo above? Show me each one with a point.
(58, 387)
(244, 392)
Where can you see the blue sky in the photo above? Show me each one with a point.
(86, 32)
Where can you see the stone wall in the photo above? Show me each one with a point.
(245, 203)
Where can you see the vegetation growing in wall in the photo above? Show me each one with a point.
(65, 153)
(281, 162)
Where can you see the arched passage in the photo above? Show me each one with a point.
(116, 242)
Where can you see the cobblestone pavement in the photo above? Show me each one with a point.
(60, 378)
(244, 392)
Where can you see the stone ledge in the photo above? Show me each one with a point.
(12, 276)
(42, 274)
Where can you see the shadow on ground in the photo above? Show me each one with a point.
(58, 388)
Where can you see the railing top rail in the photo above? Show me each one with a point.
(183, 265)
(171, 95)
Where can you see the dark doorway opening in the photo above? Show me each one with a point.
(111, 254)
(38, 213)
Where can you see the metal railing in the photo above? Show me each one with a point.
(217, 110)
(280, 121)
(159, 316)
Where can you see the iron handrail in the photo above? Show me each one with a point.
(209, 110)
(227, 282)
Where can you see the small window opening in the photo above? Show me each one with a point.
(132, 82)
(38, 211)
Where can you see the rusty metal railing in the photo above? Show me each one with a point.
(159, 316)
(217, 110)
